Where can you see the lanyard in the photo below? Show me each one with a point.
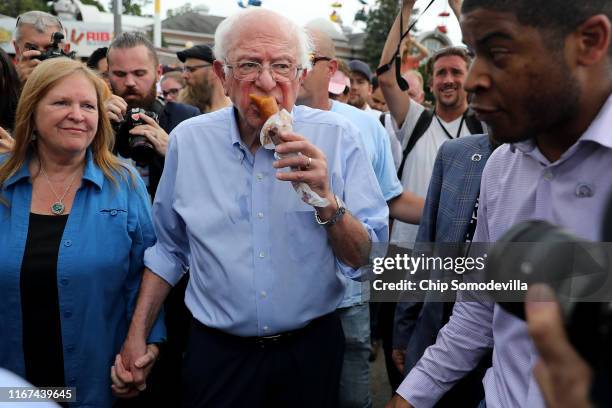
(446, 130)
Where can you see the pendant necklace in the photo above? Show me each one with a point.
(58, 207)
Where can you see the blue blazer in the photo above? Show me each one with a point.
(452, 194)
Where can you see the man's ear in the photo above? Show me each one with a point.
(220, 73)
(333, 67)
(18, 50)
(159, 72)
(303, 75)
(592, 40)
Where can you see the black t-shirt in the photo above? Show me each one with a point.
(42, 333)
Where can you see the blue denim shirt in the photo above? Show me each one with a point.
(378, 149)
(99, 268)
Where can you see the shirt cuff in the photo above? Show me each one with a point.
(158, 331)
(418, 389)
(163, 264)
(365, 272)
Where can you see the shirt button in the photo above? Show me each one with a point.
(67, 314)
(113, 212)
(260, 215)
(70, 348)
(266, 328)
(259, 176)
(548, 175)
(68, 243)
(262, 254)
(263, 294)
(584, 190)
(64, 281)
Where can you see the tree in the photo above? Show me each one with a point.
(94, 3)
(378, 23)
(13, 8)
(131, 7)
(186, 8)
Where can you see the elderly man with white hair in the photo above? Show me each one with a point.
(263, 286)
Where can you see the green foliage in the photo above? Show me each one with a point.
(13, 8)
(428, 94)
(94, 3)
(379, 22)
(132, 7)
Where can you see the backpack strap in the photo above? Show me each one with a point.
(419, 130)
(473, 124)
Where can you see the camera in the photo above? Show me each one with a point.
(54, 51)
(578, 271)
(136, 147)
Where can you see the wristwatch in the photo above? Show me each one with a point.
(336, 217)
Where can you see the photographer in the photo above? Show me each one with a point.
(33, 35)
(134, 70)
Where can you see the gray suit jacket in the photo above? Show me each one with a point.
(452, 194)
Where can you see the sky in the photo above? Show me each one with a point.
(303, 11)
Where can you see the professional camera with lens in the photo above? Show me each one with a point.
(131, 146)
(579, 272)
(54, 51)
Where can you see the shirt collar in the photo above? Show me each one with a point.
(91, 173)
(234, 131)
(235, 138)
(598, 131)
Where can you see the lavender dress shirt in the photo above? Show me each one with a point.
(518, 184)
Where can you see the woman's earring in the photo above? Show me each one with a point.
(34, 135)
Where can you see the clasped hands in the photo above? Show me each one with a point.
(132, 366)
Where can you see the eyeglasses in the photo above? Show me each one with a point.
(193, 68)
(314, 59)
(171, 91)
(279, 71)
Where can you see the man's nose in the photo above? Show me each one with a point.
(129, 80)
(476, 79)
(265, 80)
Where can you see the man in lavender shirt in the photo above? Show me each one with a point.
(542, 81)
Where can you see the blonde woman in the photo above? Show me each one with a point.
(74, 226)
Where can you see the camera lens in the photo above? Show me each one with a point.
(141, 150)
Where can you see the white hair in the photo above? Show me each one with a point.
(39, 20)
(228, 28)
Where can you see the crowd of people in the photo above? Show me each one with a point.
(158, 250)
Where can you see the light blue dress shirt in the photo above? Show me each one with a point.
(518, 184)
(99, 268)
(259, 263)
(378, 148)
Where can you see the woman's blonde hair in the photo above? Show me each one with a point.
(46, 76)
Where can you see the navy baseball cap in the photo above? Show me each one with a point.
(362, 68)
(201, 52)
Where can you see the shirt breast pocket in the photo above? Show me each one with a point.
(112, 227)
(305, 239)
